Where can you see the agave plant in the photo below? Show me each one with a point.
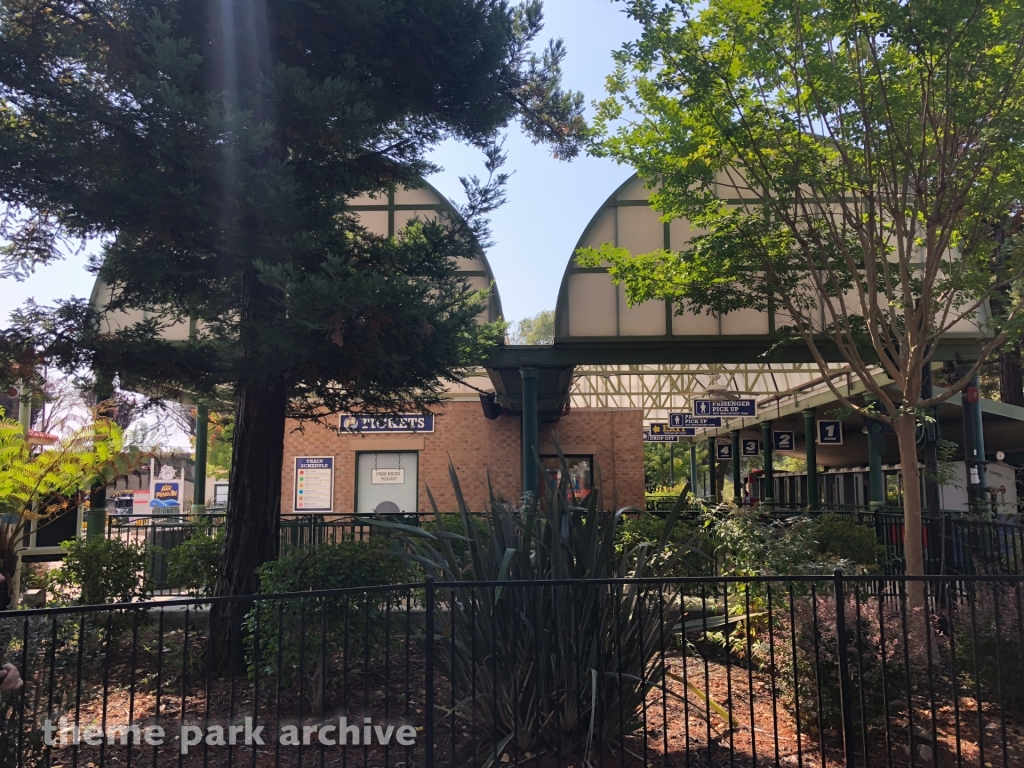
(540, 665)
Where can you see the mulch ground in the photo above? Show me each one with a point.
(678, 730)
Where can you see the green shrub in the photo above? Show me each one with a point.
(845, 539)
(293, 632)
(682, 548)
(192, 565)
(581, 657)
(101, 570)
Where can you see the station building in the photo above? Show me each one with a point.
(612, 373)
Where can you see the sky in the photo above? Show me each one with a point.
(549, 201)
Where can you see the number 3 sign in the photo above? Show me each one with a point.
(830, 433)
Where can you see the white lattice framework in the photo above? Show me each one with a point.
(659, 389)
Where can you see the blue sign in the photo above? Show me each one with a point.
(406, 422)
(783, 441)
(750, 447)
(165, 495)
(830, 432)
(689, 420)
(660, 428)
(314, 484)
(726, 408)
(723, 451)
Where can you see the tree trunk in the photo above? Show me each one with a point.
(913, 541)
(1011, 380)
(254, 507)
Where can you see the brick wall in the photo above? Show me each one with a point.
(477, 446)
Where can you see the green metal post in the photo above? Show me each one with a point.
(811, 448)
(769, 475)
(737, 495)
(530, 430)
(199, 474)
(974, 448)
(876, 441)
(712, 472)
(96, 520)
(693, 468)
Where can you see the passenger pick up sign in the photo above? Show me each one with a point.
(314, 484)
(728, 408)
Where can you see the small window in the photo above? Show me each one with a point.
(220, 494)
(581, 474)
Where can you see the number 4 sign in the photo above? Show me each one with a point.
(830, 433)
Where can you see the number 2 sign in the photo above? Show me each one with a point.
(830, 433)
(783, 441)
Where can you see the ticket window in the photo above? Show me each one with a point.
(387, 476)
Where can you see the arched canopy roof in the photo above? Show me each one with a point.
(592, 313)
(384, 215)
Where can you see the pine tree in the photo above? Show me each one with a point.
(213, 149)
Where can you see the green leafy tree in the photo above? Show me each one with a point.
(539, 329)
(37, 486)
(215, 154)
(844, 161)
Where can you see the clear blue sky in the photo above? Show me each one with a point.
(549, 202)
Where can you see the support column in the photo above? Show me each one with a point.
(737, 493)
(24, 407)
(974, 449)
(671, 465)
(96, 520)
(712, 472)
(811, 450)
(930, 449)
(876, 446)
(768, 499)
(199, 474)
(530, 430)
(693, 469)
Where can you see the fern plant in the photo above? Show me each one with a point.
(35, 487)
(556, 667)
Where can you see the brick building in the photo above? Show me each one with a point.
(598, 443)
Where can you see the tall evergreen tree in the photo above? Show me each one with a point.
(214, 146)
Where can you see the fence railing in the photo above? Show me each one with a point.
(801, 671)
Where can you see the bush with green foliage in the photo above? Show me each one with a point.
(100, 570)
(296, 635)
(746, 543)
(683, 548)
(192, 565)
(581, 657)
(841, 539)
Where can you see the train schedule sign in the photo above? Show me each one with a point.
(314, 484)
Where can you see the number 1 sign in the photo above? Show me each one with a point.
(830, 433)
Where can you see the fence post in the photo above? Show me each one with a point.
(428, 681)
(845, 685)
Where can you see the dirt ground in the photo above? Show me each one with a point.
(678, 730)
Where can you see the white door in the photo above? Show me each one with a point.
(387, 477)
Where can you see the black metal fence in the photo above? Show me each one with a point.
(789, 671)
